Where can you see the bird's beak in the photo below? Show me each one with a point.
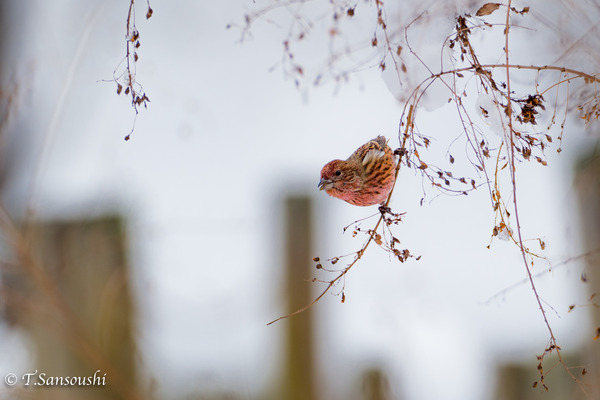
(324, 184)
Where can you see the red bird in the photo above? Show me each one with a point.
(365, 178)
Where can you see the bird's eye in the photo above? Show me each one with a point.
(338, 172)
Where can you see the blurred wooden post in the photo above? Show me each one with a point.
(588, 191)
(86, 260)
(515, 380)
(375, 385)
(299, 367)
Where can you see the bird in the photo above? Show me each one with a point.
(363, 179)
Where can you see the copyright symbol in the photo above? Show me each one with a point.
(10, 379)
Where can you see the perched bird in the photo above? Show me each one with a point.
(365, 178)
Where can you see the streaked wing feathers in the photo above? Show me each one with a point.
(372, 155)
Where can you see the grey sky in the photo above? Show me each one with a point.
(200, 182)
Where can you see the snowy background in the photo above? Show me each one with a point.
(201, 182)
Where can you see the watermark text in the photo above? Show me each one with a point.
(37, 378)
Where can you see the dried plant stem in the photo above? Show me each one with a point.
(127, 78)
(388, 43)
(511, 133)
(128, 33)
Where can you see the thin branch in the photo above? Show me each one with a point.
(579, 74)
(540, 274)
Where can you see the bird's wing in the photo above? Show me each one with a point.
(372, 155)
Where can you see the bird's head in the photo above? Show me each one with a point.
(336, 176)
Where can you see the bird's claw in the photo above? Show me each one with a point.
(383, 209)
